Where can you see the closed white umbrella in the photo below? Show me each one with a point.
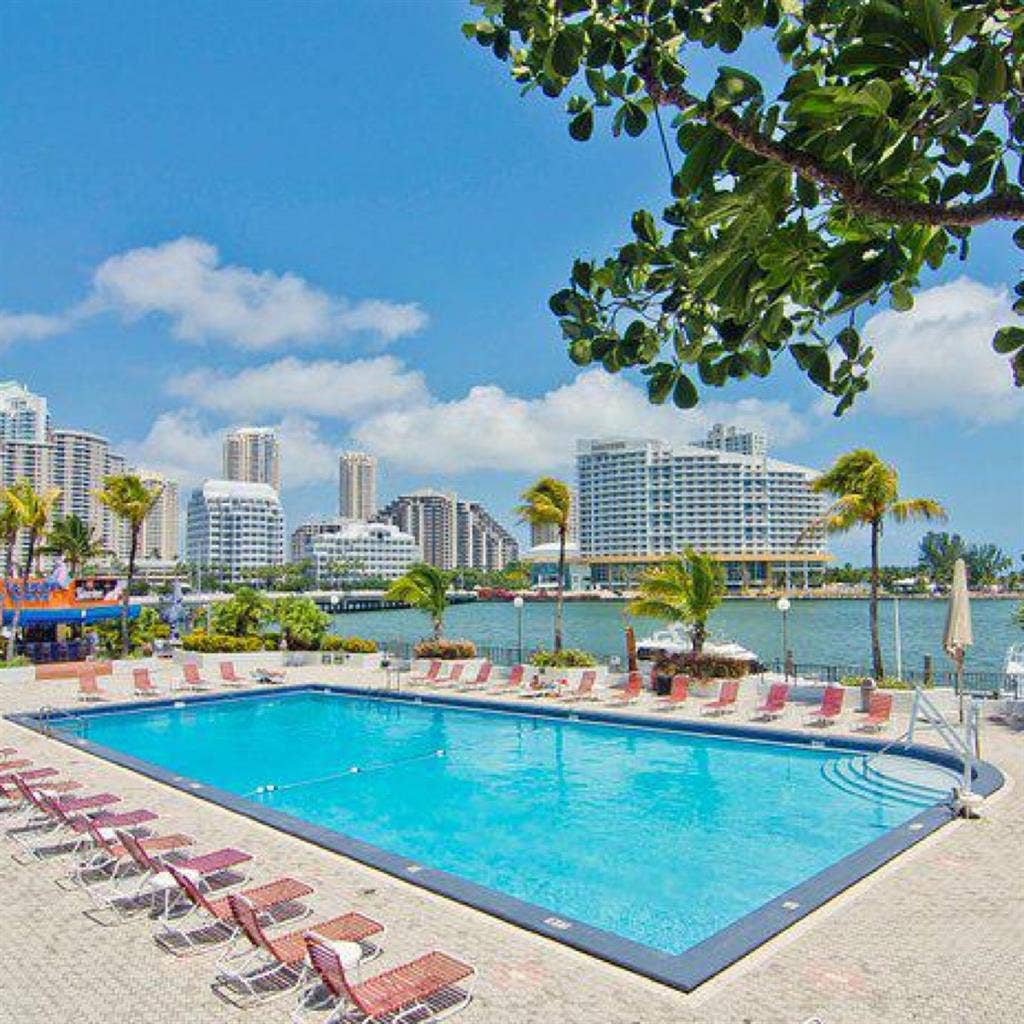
(958, 636)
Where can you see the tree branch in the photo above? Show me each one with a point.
(856, 195)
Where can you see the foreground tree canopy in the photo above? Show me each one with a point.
(897, 130)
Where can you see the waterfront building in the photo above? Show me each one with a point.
(24, 416)
(644, 500)
(301, 545)
(452, 533)
(735, 439)
(160, 538)
(81, 463)
(357, 486)
(234, 527)
(343, 549)
(253, 455)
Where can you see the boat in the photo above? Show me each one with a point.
(676, 640)
(1014, 670)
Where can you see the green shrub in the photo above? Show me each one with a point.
(348, 644)
(271, 641)
(303, 624)
(445, 650)
(702, 666)
(18, 662)
(220, 643)
(885, 684)
(570, 658)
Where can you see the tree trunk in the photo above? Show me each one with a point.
(876, 647)
(697, 636)
(438, 627)
(8, 574)
(560, 591)
(16, 617)
(127, 596)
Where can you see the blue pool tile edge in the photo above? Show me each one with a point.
(685, 970)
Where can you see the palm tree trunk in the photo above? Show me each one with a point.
(16, 618)
(560, 591)
(697, 637)
(127, 596)
(876, 647)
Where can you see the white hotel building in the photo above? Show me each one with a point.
(341, 549)
(642, 500)
(234, 527)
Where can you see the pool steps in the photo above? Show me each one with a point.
(869, 779)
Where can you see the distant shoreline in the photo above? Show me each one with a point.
(801, 595)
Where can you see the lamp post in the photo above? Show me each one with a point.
(518, 603)
(783, 605)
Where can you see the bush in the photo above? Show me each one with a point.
(445, 650)
(884, 684)
(271, 641)
(303, 624)
(220, 643)
(570, 658)
(348, 644)
(18, 662)
(702, 666)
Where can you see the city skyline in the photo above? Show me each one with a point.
(293, 290)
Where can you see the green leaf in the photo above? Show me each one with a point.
(580, 352)
(643, 227)
(697, 167)
(901, 297)
(1008, 339)
(991, 75)
(849, 341)
(930, 18)
(581, 127)
(635, 119)
(684, 394)
(659, 387)
(565, 54)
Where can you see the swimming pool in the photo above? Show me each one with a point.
(664, 849)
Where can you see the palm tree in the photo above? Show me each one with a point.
(866, 490)
(549, 503)
(131, 500)
(75, 541)
(32, 509)
(9, 527)
(242, 614)
(424, 587)
(686, 589)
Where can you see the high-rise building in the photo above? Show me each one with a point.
(735, 439)
(644, 500)
(453, 533)
(341, 549)
(253, 455)
(160, 538)
(234, 527)
(23, 415)
(81, 462)
(357, 486)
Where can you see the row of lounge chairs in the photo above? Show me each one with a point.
(191, 681)
(206, 904)
(776, 703)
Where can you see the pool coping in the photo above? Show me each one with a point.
(684, 971)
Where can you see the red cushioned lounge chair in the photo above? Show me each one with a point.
(774, 704)
(831, 706)
(584, 688)
(676, 696)
(273, 966)
(143, 683)
(425, 678)
(879, 713)
(630, 692)
(482, 677)
(428, 988)
(726, 702)
(191, 679)
(228, 676)
(88, 685)
(512, 684)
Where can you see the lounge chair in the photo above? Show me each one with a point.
(483, 675)
(143, 683)
(158, 890)
(427, 988)
(584, 688)
(88, 685)
(228, 676)
(268, 675)
(538, 688)
(725, 703)
(48, 817)
(454, 674)
(8, 767)
(512, 684)
(630, 692)
(676, 696)
(774, 704)
(33, 775)
(271, 967)
(191, 679)
(831, 707)
(210, 923)
(879, 713)
(425, 678)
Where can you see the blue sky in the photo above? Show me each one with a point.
(343, 219)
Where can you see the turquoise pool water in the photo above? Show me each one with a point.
(660, 837)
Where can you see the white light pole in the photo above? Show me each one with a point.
(518, 603)
(783, 605)
(897, 637)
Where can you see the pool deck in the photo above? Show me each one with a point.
(937, 935)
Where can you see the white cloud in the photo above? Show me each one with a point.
(937, 358)
(327, 388)
(181, 447)
(205, 300)
(491, 429)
